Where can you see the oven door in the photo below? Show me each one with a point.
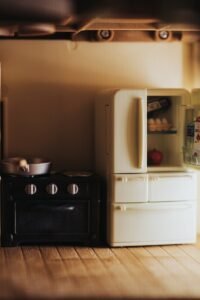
(52, 221)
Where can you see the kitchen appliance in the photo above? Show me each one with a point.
(153, 201)
(52, 208)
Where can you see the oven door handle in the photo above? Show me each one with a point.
(53, 208)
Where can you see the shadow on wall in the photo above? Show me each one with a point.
(51, 87)
(56, 122)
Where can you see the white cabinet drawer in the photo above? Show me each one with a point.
(151, 223)
(172, 187)
(129, 188)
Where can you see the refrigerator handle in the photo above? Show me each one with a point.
(141, 135)
(156, 178)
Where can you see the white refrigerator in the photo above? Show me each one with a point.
(151, 198)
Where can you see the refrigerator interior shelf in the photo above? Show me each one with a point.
(163, 132)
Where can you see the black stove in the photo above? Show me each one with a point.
(49, 209)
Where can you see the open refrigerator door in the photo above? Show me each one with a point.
(191, 147)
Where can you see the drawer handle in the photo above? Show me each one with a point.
(158, 207)
(126, 179)
(154, 178)
(121, 207)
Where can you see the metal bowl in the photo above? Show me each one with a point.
(30, 167)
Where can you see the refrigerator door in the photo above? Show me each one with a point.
(129, 136)
(191, 149)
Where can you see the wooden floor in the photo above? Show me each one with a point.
(100, 273)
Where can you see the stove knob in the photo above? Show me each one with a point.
(30, 189)
(72, 189)
(52, 189)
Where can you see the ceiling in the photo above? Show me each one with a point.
(100, 20)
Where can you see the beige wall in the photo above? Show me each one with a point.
(50, 87)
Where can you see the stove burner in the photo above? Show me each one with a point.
(77, 174)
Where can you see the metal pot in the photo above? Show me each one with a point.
(25, 167)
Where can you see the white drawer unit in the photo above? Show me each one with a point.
(172, 187)
(151, 223)
(129, 188)
(155, 187)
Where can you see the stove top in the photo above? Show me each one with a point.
(62, 185)
(53, 173)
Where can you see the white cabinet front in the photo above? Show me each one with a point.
(172, 187)
(151, 223)
(129, 188)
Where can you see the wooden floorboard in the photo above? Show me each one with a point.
(156, 272)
